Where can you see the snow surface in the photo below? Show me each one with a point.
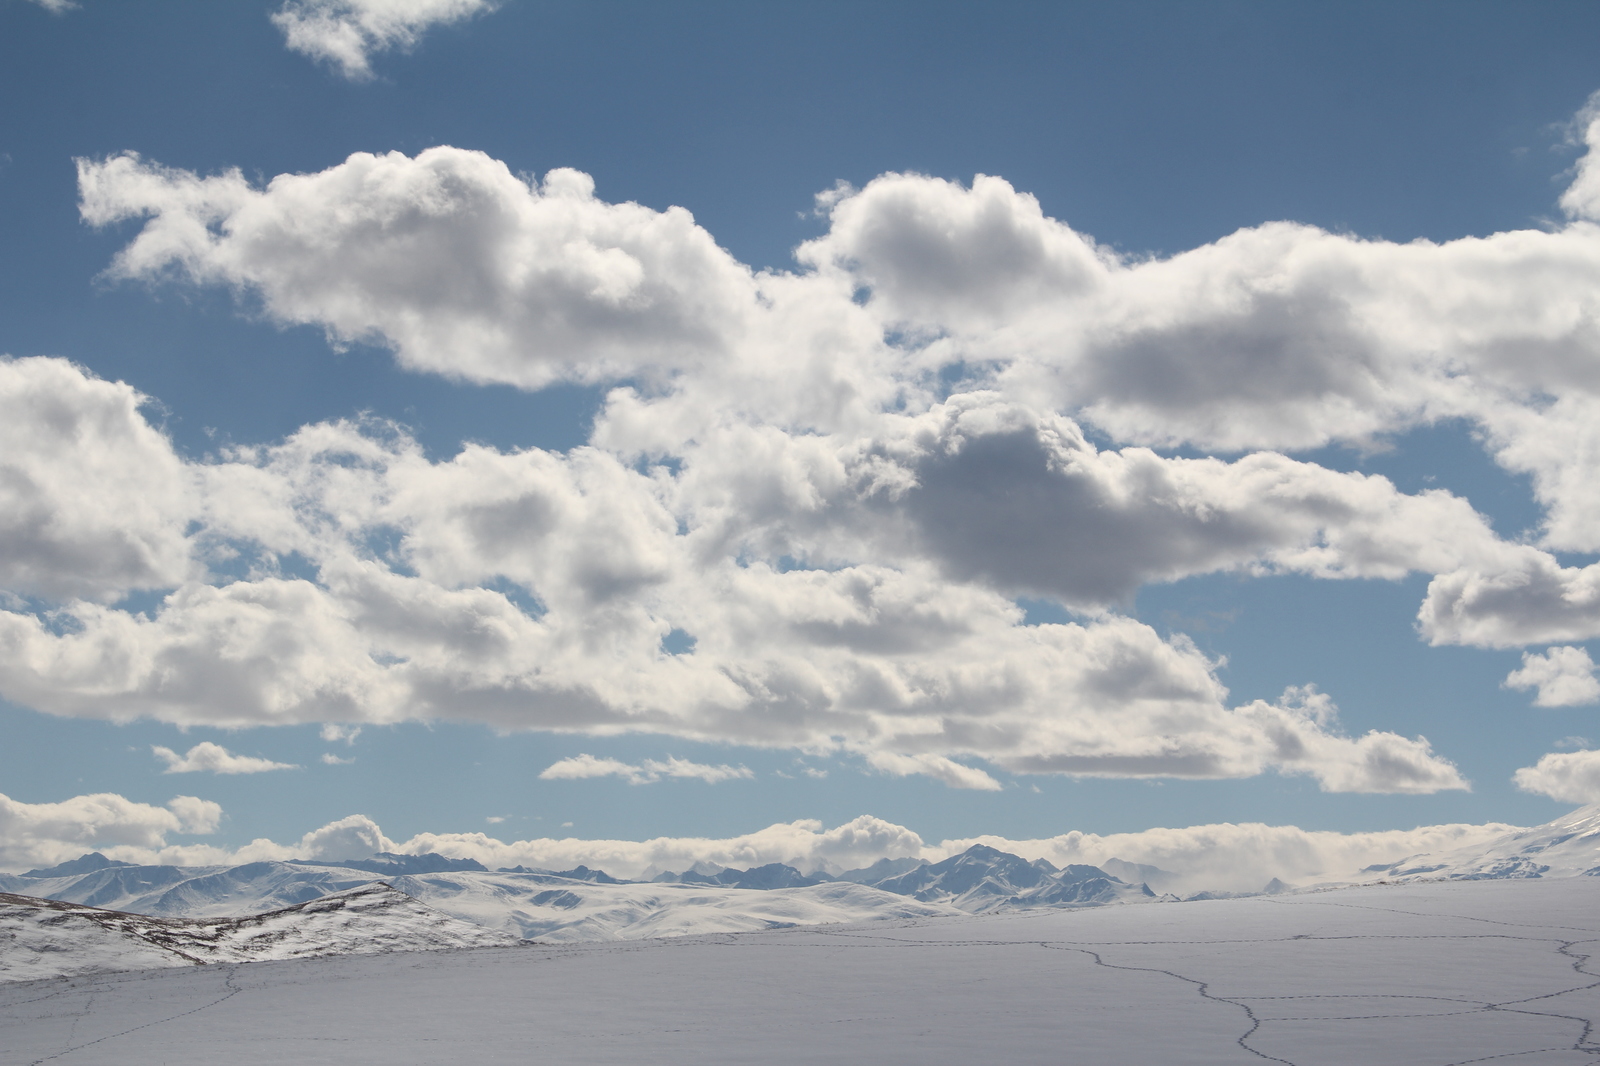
(47, 938)
(1420, 974)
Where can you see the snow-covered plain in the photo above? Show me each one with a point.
(1414, 974)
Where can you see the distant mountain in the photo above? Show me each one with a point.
(49, 938)
(83, 864)
(983, 879)
(881, 870)
(578, 873)
(193, 891)
(585, 904)
(760, 878)
(1564, 847)
(1141, 873)
(390, 864)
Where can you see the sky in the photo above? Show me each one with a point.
(455, 425)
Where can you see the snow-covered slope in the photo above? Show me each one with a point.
(42, 938)
(1565, 847)
(544, 907)
(1425, 974)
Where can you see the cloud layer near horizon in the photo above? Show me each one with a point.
(836, 481)
(1231, 857)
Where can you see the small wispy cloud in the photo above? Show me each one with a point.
(207, 757)
(333, 733)
(346, 33)
(331, 759)
(645, 773)
(57, 7)
(937, 767)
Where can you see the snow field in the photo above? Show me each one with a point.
(1421, 974)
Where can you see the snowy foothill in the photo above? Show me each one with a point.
(49, 938)
(1430, 974)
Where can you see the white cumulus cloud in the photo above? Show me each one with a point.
(210, 758)
(93, 500)
(346, 33)
(1564, 677)
(48, 833)
(459, 265)
(837, 481)
(1569, 776)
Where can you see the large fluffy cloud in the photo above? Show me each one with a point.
(462, 267)
(1570, 776)
(806, 518)
(535, 590)
(1564, 677)
(93, 501)
(346, 33)
(48, 833)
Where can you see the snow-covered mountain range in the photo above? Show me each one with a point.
(41, 938)
(584, 904)
(171, 915)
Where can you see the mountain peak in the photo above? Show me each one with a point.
(83, 864)
(984, 878)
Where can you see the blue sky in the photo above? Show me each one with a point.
(1153, 130)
